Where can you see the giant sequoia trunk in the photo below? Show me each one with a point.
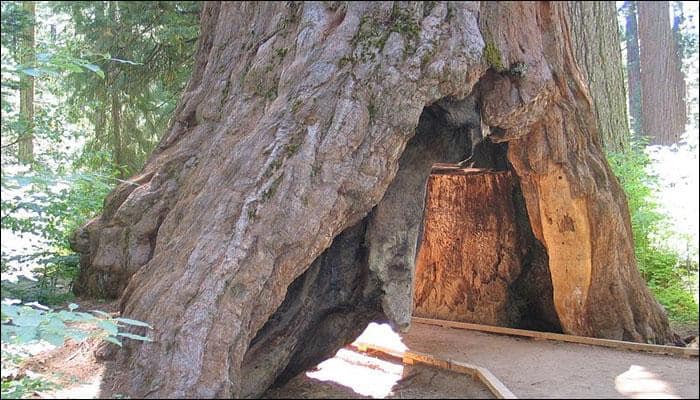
(662, 79)
(634, 73)
(596, 43)
(281, 211)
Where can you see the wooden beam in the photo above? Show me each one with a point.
(366, 347)
(485, 376)
(454, 169)
(494, 384)
(617, 344)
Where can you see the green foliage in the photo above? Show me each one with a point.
(146, 50)
(402, 21)
(107, 81)
(662, 268)
(374, 31)
(631, 167)
(106, 78)
(684, 32)
(24, 387)
(53, 205)
(51, 63)
(55, 64)
(371, 109)
(369, 39)
(49, 209)
(518, 69)
(13, 20)
(24, 323)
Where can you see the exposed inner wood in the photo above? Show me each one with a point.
(471, 251)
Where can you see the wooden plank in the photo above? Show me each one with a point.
(617, 344)
(464, 368)
(486, 377)
(482, 374)
(494, 384)
(454, 169)
(428, 359)
(364, 347)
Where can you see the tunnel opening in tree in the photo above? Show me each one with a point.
(477, 259)
(367, 274)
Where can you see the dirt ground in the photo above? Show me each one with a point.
(69, 365)
(547, 369)
(529, 368)
(73, 366)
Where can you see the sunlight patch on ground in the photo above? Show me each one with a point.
(640, 383)
(365, 375)
(383, 336)
(89, 390)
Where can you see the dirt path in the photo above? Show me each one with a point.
(546, 369)
(529, 368)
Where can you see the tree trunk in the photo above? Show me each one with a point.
(116, 140)
(282, 209)
(634, 73)
(595, 38)
(663, 83)
(25, 150)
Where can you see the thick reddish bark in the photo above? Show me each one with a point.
(293, 175)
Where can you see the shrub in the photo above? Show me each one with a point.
(662, 268)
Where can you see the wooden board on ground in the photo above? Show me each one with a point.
(652, 348)
(482, 374)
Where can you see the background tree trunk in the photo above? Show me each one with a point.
(292, 176)
(634, 73)
(25, 150)
(663, 83)
(116, 130)
(595, 39)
